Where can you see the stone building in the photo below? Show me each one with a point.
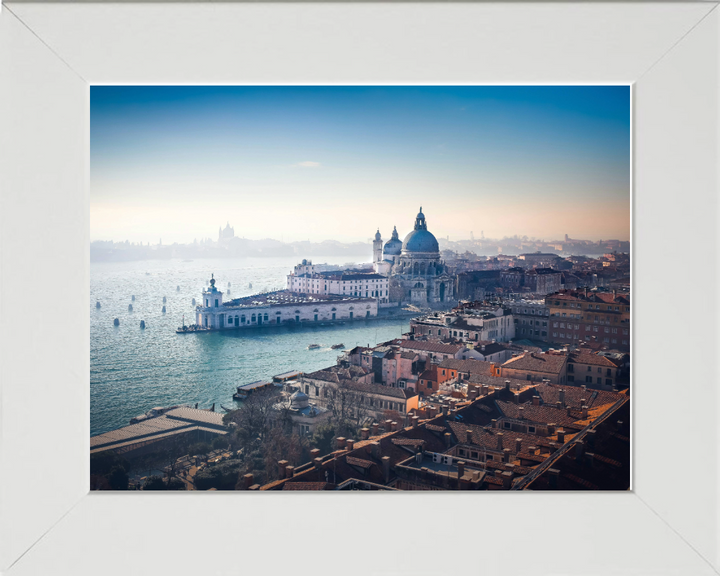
(416, 272)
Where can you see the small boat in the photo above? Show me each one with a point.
(313, 346)
(116, 322)
(229, 284)
(336, 346)
(178, 289)
(164, 310)
(133, 297)
(193, 302)
(130, 308)
(97, 304)
(250, 285)
(164, 299)
(142, 324)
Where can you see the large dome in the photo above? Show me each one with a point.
(420, 240)
(393, 247)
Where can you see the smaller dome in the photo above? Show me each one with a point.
(377, 235)
(393, 247)
(299, 400)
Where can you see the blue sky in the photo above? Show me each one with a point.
(338, 162)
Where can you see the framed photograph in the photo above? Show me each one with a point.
(98, 99)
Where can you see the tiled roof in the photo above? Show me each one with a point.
(431, 346)
(468, 366)
(358, 462)
(592, 359)
(543, 414)
(305, 486)
(550, 394)
(605, 297)
(547, 363)
(487, 438)
(407, 355)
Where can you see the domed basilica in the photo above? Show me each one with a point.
(417, 275)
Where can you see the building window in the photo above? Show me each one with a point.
(506, 425)
(588, 379)
(531, 429)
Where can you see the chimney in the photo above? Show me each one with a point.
(393, 426)
(551, 429)
(314, 453)
(375, 429)
(506, 455)
(579, 449)
(415, 421)
(558, 405)
(499, 437)
(388, 426)
(584, 412)
(521, 412)
(569, 410)
(590, 459)
(531, 449)
(473, 393)
(289, 471)
(317, 462)
(340, 443)
(507, 480)
(461, 470)
(448, 439)
(364, 433)
(468, 436)
(444, 409)
(247, 481)
(386, 468)
(507, 384)
(281, 468)
(583, 401)
(376, 450)
(494, 422)
(553, 475)
(485, 389)
(590, 436)
(518, 445)
(350, 444)
(562, 397)
(561, 436)
(536, 400)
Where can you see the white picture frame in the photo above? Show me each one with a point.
(50, 53)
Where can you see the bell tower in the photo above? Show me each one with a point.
(377, 247)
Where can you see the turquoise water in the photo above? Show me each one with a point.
(133, 370)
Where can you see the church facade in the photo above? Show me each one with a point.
(416, 273)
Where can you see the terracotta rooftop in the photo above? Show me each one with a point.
(431, 346)
(547, 363)
(467, 366)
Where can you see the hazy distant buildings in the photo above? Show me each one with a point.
(226, 234)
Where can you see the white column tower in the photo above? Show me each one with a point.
(377, 247)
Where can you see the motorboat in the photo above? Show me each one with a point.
(313, 346)
(336, 346)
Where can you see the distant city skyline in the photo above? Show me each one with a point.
(320, 163)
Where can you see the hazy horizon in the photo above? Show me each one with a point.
(322, 163)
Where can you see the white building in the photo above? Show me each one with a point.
(275, 308)
(306, 280)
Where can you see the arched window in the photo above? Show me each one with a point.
(265, 318)
(253, 317)
(334, 309)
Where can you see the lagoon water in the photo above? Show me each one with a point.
(133, 370)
